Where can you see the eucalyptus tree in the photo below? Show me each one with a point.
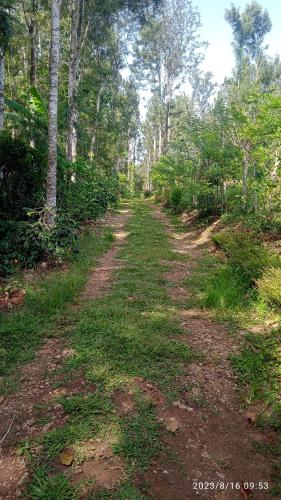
(78, 34)
(167, 54)
(6, 30)
(249, 29)
(51, 198)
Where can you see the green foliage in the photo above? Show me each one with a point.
(24, 239)
(85, 191)
(269, 286)
(245, 252)
(23, 244)
(22, 177)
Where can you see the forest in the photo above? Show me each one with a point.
(140, 261)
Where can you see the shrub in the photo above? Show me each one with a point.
(23, 244)
(269, 286)
(89, 196)
(22, 177)
(246, 253)
(175, 200)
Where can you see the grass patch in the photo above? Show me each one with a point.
(45, 487)
(140, 436)
(22, 331)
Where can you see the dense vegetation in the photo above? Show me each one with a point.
(66, 146)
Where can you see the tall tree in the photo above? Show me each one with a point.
(6, 21)
(77, 19)
(30, 11)
(249, 29)
(167, 53)
(51, 200)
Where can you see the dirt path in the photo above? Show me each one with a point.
(213, 439)
(32, 410)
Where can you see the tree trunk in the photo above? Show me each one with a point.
(245, 181)
(160, 141)
(33, 32)
(155, 146)
(51, 200)
(98, 106)
(77, 15)
(33, 53)
(2, 79)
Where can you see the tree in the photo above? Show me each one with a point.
(167, 54)
(51, 200)
(77, 21)
(6, 23)
(249, 29)
(30, 12)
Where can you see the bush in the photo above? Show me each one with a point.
(246, 254)
(176, 199)
(90, 194)
(23, 244)
(269, 286)
(22, 177)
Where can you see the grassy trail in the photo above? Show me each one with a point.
(136, 405)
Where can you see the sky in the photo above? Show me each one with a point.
(217, 32)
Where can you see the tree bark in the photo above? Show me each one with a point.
(98, 106)
(2, 80)
(245, 181)
(33, 53)
(160, 141)
(51, 200)
(77, 15)
(33, 32)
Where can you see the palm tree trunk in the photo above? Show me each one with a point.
(2, 79)
(51, 201)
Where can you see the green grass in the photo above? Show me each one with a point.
(22, 331)
(130, 332)
(226, 288)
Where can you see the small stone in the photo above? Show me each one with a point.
(205, 454)
(58, 406)
(196, 391)
(172, 425)
(23, 479)
(30, 422)
(165, 472)
(2, 399)
(78, 470)
(47, 427)
(66, 458)
(180, 405)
